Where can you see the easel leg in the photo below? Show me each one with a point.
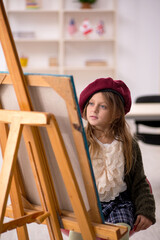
(18, 208)
(9, 163)
(50, 204)
(71, 186)
(15, 193)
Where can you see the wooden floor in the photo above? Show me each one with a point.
(151, 160)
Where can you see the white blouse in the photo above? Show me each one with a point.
(108, 169)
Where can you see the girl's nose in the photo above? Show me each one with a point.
(95, 108)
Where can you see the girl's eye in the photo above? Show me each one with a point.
(103, 106)
(91, 103)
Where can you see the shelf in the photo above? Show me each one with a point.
(72, 11)
(32, 40)
(18, 40)
(88, 68)
(83, 39)
(32, 11)
(39, 70)
(88, 11)
(68, 68)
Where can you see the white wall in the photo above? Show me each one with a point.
(2, 60)
(138, 32)
(138, 46)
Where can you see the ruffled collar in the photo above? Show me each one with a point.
(108, 167)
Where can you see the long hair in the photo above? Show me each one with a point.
(119, 129)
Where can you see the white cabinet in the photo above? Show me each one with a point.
(42, 36)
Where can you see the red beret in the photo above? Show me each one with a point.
(107, 85)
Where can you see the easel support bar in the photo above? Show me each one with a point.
(21, 221)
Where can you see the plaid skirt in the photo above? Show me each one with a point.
(119, 210)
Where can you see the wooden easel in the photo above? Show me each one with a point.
(88, 223)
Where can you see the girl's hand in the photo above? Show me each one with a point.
(142, 223)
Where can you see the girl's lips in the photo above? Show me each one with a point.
(93, 117)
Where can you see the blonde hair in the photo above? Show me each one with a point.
(119, 129)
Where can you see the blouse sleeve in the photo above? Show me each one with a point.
(140, 190)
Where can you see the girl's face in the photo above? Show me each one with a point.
(98, 112)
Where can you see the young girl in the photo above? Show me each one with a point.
(123, 190)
